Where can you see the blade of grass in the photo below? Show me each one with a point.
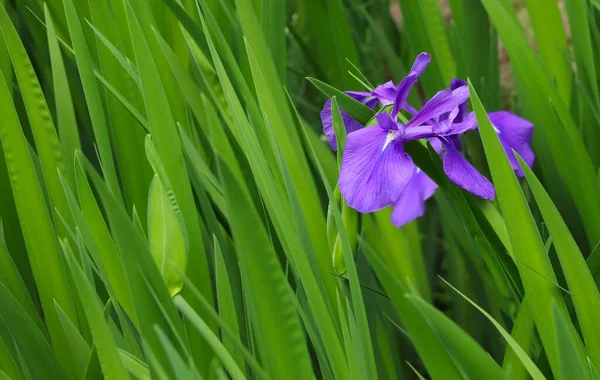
(552, 44)
(164, 133)
(264, 272)
(38, 231)
(46, 140)
(534, 265)
(582, 287)
(65, 114)
(533, 370)
(93, 99)
(32, 347)
(222, 353)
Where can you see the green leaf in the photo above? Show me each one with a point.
(90, 222)
(12, 280)
(44, 132)
(552, 43)
(226, 304)
(135, 174)
(84, 61)
(357, 110)
(262, 271)
(166, 229)
(582, 286)
(152, 300)
(523, 332)
(65, 113)
(568, 353)
(134, 366)
(534, 265)
(218, 348)
(78, 344)
(561, 147)
(429, 345)
(110, 360)
(474, 361)
(533, 370)
(38, 232)
(28, 341)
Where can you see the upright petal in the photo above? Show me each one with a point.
(463, 108)
(385, 93)
(421, 63)
(442, 102)
(411, 203)
(447, 128)
(463, 174)
(456, 83)
(351, 125)
(403, 90)
(385, 121)
(372, 177)
(515, 133)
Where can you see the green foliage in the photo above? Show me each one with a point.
(168, 206)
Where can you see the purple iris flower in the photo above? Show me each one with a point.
(411, 202)
(376, 171)
(384, 95)
(514, 132)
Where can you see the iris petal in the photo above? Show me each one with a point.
(372, 177)
(350, 124)
(515, 133)
(386, 93)
(421, 63)
(442, 102)
(411, 203)
(464, 175)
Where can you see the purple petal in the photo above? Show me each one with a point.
(456, 83)
(421, 63)
(385, 121)
(350, 124)
(411, 203)
(515, 133)
(463, 174)
(463, 108)
(372, 177)
(442, 102)
(386, 93)
(447, 128)
(403, 90)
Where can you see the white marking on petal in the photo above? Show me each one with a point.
(388, 139)
(495, 129)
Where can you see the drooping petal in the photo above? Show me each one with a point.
(442, 102)
(351, 125)
(464, 175)
(515, 133)
(411, 203)
(372, 177)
